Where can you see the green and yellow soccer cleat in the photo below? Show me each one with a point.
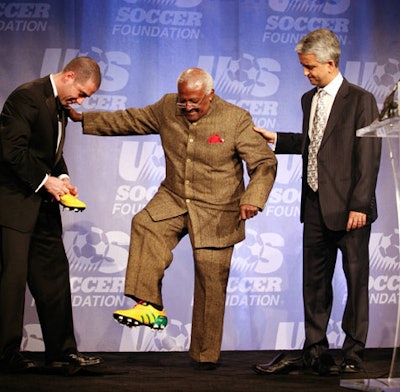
(72, 203)
(142, 314)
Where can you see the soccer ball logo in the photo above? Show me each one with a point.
(90, 247)
(388, 251)
(244, 70)
(247, 253)
(387, 74)
(249, 75)
(175, 337)
(259, 253)
(384, 77)
(87, 247)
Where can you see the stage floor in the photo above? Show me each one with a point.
(166, 371)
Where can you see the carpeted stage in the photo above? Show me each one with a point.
(166, 371)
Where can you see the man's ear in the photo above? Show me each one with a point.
(68, 76)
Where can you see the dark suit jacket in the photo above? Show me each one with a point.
(28, 139)
(347, 165)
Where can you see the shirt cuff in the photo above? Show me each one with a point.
(42, 183)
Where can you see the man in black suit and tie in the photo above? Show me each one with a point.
(338, 203)
(33, 177)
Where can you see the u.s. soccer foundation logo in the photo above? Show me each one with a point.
(254, 277)
(384, 280)
(90, 249)
(385, 254)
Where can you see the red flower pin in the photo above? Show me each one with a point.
(215, 139)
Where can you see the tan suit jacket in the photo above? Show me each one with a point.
(203, 178)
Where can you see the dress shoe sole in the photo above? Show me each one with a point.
(62, 364)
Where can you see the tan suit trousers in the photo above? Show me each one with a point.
(150, 254)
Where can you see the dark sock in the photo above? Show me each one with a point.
(158, 307)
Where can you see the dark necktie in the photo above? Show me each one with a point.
(62, 118)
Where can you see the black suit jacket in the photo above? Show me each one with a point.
(347, 165)
(28, 142)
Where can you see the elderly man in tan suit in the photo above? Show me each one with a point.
(205, 139)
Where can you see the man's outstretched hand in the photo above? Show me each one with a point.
(74, 115)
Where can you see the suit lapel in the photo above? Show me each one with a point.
(306, 119)
(337, 109)
(55, 112)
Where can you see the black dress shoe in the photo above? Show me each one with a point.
(74, 359)
(325, 365)
(205, 366)
(16, 362)
(279, 365)
(350, 366)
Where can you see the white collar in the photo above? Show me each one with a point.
(333, 87)
(55, 92)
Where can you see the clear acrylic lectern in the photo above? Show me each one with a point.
(388, 128)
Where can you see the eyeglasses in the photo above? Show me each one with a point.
(190, 105)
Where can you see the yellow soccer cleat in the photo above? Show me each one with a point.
(72, 203)
(142, 314)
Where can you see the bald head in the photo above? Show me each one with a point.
(196, 79)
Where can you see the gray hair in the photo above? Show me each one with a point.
(323, 43)
(198, 78)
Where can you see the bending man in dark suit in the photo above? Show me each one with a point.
(33, 176)
(205, 140)
(337, 214)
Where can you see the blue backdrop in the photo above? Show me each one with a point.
(248, 47)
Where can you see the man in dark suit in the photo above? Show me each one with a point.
(338, 202)
(33, 177)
